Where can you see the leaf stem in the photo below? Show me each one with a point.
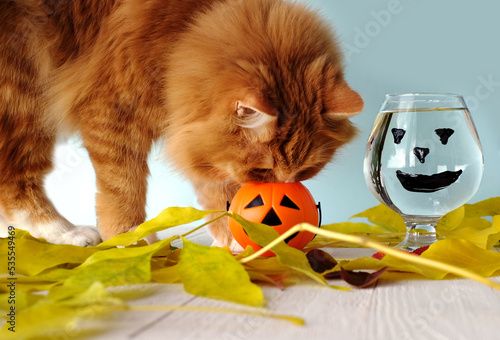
(293, 319)
(224, 213)
(375, 245)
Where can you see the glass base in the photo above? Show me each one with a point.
(418, 235)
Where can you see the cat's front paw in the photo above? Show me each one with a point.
(59, 231)
(79, 236)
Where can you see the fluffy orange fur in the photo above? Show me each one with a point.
(241, 90)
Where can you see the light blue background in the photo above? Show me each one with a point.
(391, 46)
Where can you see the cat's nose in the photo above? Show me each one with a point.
(421, 153)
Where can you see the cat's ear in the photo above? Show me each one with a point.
(256, 118)
(342, 101)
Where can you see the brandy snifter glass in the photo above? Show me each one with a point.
(423, 159)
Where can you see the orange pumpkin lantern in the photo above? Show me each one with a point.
(279, 205)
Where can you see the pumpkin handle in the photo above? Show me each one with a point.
(319, 212)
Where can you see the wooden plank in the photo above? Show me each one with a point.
(326, 311)
(423, 309)
(131, 324)
(412, 308)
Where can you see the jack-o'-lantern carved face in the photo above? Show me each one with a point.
(279, 205)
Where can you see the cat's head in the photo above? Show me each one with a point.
(256, 92)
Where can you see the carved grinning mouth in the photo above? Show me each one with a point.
(427, 183)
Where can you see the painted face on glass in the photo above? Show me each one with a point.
(420, 182)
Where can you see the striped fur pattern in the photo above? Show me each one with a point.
(239, 90)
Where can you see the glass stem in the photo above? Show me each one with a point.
(418, 235)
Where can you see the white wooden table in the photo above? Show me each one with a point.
(411, 309)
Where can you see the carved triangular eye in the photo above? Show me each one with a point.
(256, 202)
(272, 218)
(287, 202)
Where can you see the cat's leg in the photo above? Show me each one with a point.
(119, 153)
(27, 140)
(214, 195)
(26, 152)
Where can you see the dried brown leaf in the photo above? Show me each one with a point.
(320, 260)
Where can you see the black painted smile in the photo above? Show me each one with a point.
(427, 183)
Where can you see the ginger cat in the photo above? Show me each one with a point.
(239, 90)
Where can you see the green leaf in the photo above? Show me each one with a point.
(355, 227)
(267, 266)
(168, 218)
(466, 255)
(117, 266)
(488, 207)
(385, 217)
(59, 317)
(451, 220)
(460, 253)
(34, 256)
(466, 223)
(23, 300)
(291, 257)
(275, 280)
(212, 272)
(479, 231)
(47, 321)
(494, 238)
(166, 275)
(362, 263)
(83, 297)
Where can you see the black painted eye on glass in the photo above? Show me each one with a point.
(398, 135)
(444, 134)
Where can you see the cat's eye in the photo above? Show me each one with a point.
(256, 202)
(398, 135)
(287, 202)
(444, 134)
